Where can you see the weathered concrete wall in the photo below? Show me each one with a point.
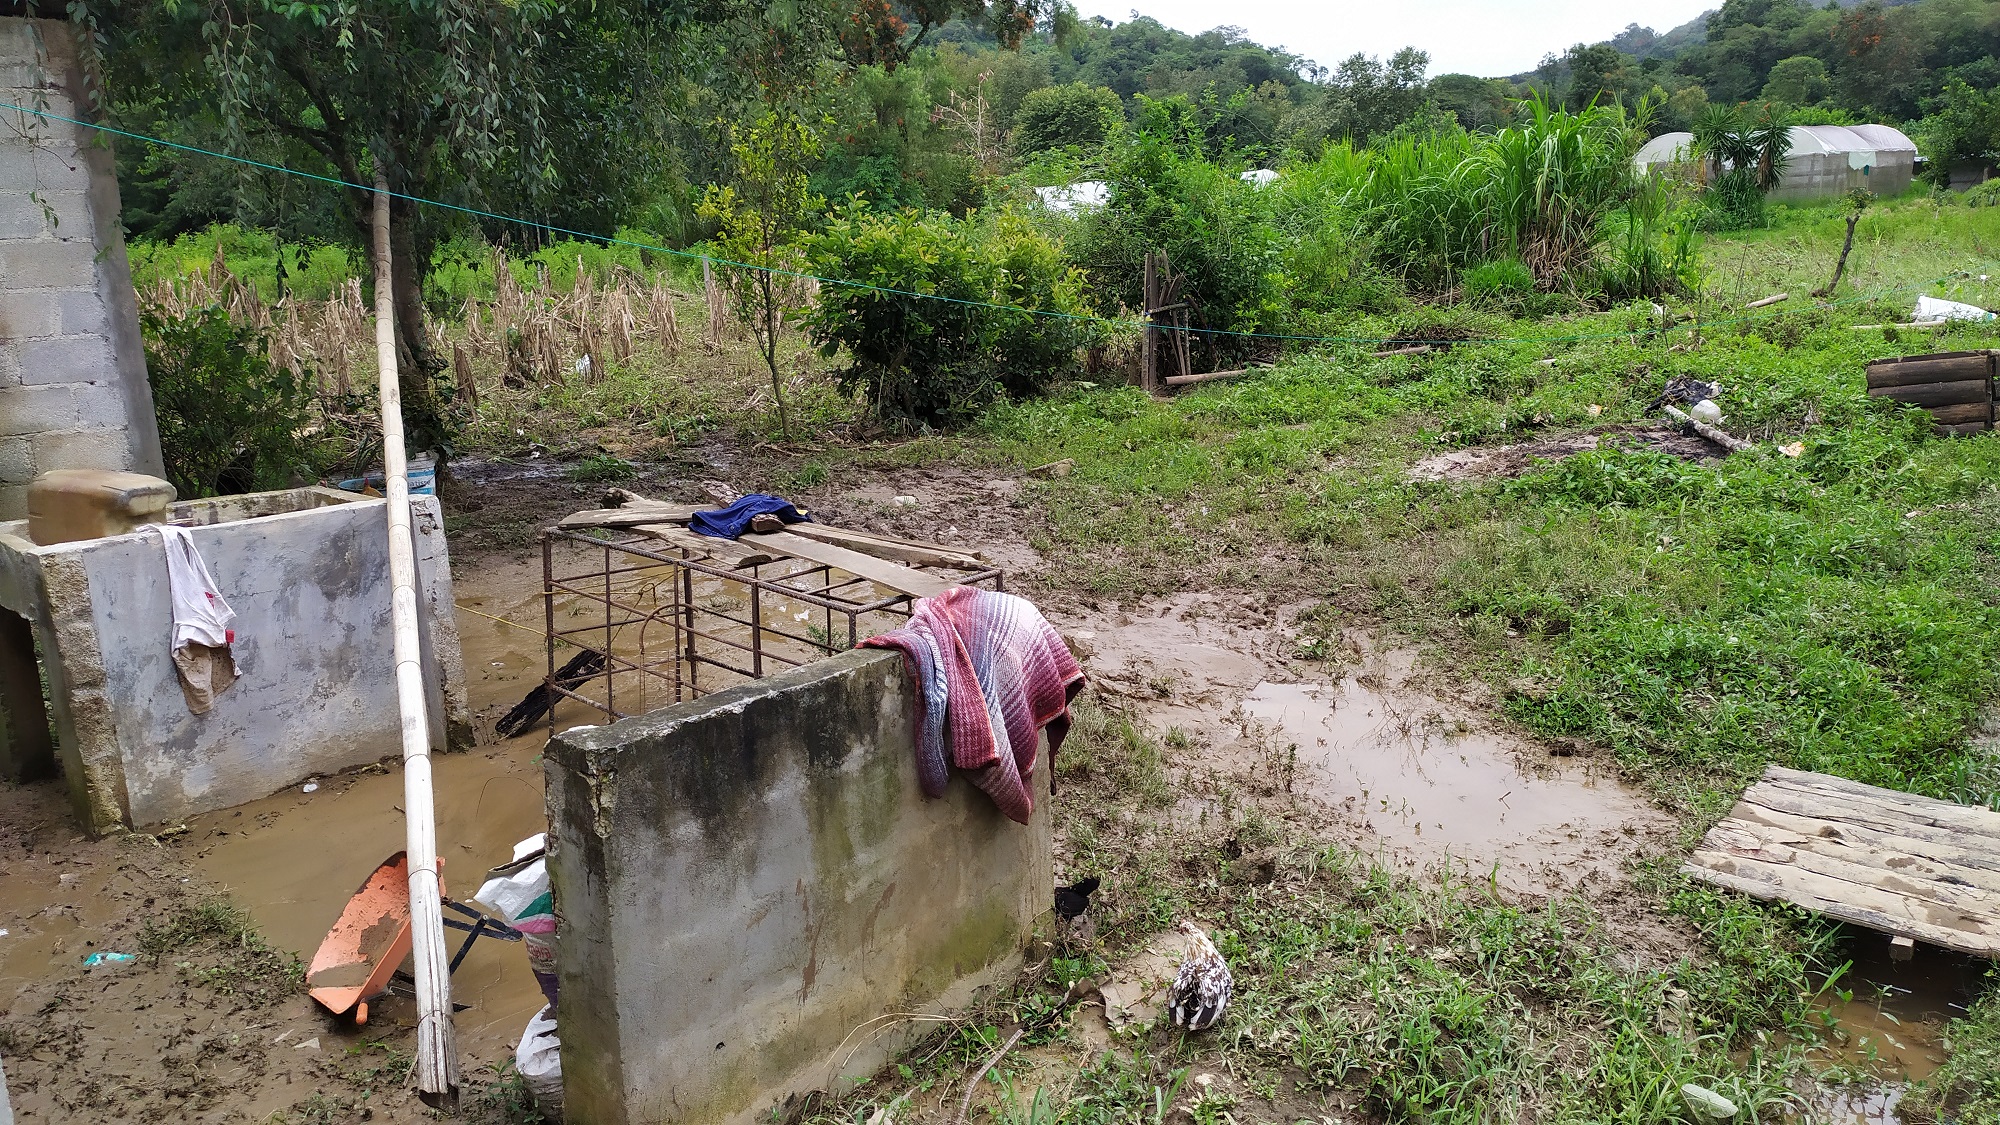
(745, 880)
(73, 391)
(311, 592)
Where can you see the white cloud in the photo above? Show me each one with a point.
(1493, 37)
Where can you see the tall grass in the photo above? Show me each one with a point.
(1557, 192)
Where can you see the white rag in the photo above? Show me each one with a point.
(204, 625)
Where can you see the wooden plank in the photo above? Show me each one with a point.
(885, 547)
(1939, 394)
(1760, 885)
(1209, 376)
(1876, 814)
(895, 577)
(1934, 844)
(1906, 874)
(1900, 913)
(730, 553)
(1981, 412)
(1944, 367)
(632, 515)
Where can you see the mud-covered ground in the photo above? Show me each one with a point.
(1320, 730)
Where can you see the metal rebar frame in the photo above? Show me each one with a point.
(672, 627)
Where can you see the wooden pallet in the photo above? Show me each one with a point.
(1908, 866)
(1958, 388)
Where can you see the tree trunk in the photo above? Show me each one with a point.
(771, 353)
(1840, 267)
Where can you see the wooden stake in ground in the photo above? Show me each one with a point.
(1860, 201)
(1149, 374)
(437, 1046)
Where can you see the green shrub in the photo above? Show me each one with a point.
(1215, 229)
(1985, 195)
(1735, 202)
(230, 420)
(1499, 283)
(922, 359)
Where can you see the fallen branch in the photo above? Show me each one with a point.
(965, 1104)
(1420, 349)
(1769, 301)
(1727, 441)
(1912, 324)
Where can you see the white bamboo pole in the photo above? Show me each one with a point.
(437, 1048)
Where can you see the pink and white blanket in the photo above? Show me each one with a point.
(992, 669)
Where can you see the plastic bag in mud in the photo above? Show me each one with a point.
(539, 1059)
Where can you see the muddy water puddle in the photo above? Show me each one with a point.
(1426, 786)
(1891, 1029)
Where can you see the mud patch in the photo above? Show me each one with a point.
(1508, 461)
(1425, 785)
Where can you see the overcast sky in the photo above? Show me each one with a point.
(1484, 37)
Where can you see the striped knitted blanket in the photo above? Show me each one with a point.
(991, 673)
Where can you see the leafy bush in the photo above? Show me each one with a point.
(1215, 229)
(1499, 283)
(1079, 116)
(1985, 195)
(935, 361)
(230, 420)
(1735, 202)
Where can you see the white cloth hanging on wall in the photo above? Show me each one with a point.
(204, 625)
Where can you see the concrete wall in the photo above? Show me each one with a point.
(73, 392)
(745, 880)
(1820, 175)
(311, 592)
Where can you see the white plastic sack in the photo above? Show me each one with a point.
(1936, 308)
(539, 1059)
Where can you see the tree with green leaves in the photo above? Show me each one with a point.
(1076, 115)
(1770, 137)
(513, 106)
(1719, 142)
(762, 216)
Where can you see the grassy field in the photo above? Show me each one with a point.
(1832, 611)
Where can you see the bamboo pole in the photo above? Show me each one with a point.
(437, 1048)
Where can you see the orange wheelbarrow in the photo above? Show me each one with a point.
(361, 953)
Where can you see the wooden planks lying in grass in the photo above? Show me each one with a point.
(1905, 865)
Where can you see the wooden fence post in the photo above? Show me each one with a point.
(1149, 372)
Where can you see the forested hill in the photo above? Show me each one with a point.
(1879, 59)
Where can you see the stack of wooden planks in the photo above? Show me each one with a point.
(1911, 867)
(1956, 387)
(882, 559)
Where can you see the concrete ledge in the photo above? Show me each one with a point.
(746, 881)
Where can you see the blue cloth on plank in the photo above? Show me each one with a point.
(734, 520)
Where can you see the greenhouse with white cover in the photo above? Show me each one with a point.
(1826, 161)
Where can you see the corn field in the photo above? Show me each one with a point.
(524, 337)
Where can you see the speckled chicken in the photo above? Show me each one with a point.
(1202, 988)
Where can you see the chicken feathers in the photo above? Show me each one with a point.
(1202, 988)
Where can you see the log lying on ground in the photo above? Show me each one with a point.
(1209, 376)
(1769, 301)
(1726, 440)
(1420, 349)
(1912, 324)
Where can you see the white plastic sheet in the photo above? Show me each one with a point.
(1937, 308)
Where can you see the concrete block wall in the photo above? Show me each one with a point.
(744, 880)
(73, 391)
(307, 572)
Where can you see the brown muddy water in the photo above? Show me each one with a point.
(1429, 786)
(1890, 1030)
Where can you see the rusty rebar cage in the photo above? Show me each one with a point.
(668, 627)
